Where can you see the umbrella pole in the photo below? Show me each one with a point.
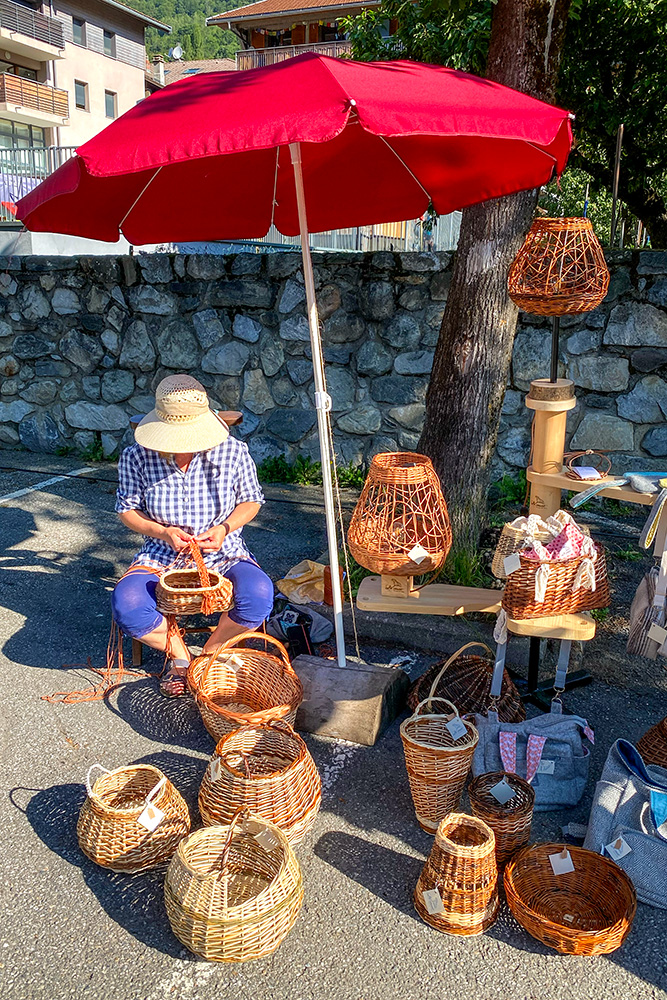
(322, 403)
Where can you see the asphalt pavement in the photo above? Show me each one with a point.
(71, 929)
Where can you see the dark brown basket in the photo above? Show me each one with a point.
(466, 681)
(519, 594)
(653, 744)
(586, 912)
(510, 822)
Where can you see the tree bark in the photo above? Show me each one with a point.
(474, 349)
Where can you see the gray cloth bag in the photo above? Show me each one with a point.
(630, 801)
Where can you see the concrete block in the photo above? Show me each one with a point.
(356, 703)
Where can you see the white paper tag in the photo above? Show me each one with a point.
(216, 769)
(586, 472)
(568, 917)
(546, 766)
(657, 633)
(418, 554)
(433, 901)
(151, 817)
(502, 792)
(561, 863)
(511, 563)
(456, 728)
(618, 849)
(266, 839)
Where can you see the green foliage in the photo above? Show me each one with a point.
(63, 450)
(600, 615)
(306, 472)
(508, 490)
(568, 196)
(187, 18)
(630, 554)
(465, 569)
(94, 453)
(357, 574)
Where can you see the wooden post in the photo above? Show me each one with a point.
(398, 586)
(551, 402)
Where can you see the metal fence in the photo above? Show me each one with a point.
(254, 58)
(400, 236)
(24, 21)
(22, 169)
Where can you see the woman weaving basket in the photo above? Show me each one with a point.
(186, 478)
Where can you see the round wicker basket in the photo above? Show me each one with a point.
(653, 744)
(109, 830)
(585, 912)
(510, 821)
(184, 590)
(236, 685)
(233, 892)
(437, 764)
(462, 867)
(268, 769)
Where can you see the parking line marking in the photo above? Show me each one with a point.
(45, 482)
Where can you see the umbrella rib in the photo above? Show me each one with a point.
(140, 195)
(402, 161)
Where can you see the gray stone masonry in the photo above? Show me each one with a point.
(84, 342)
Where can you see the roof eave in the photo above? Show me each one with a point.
(222, 19)
(144, 18)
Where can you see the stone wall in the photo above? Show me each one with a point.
(84, 341)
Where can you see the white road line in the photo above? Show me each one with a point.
(45, 482)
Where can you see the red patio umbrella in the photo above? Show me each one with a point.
(312, 143)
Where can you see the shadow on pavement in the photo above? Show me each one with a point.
(174, 721)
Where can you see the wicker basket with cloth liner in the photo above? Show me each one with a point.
(653, 744)
(457, 891)
(268, 769)
(465, 680)
(520, 532)
(436, 761)
(190, 590)
(588, 911)
(400, 525)
(116, 823)
(237, 685)
(559, 599)
(233, 892)
(510, 820)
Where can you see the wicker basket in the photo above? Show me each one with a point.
(510, 821)
(109, 830)
(233, 892)
(268, 769)
(653, 744)
(514, 539)
(236, 686)
(462, 867)
(437, 765)
(184, 590)
(466, 681)
(519, 593)
(585, 912)
(401, 506)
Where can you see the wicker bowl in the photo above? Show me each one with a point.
(191, 590)
(510, 821)
(585, 912)
(653, 744)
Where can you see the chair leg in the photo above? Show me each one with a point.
(137, 653)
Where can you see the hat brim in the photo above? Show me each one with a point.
(201, 434)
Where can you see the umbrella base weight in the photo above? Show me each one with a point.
(397, 594)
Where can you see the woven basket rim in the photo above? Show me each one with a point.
(400, 460)
(263, 727)
(454, 748)
(457, 820)
(128, 811)
(184, 591)
(490, 779)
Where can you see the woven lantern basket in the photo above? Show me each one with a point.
(465, 680)
(653, 744)
(560, 269)
(268, 769)
(585, 912)
(191, 590)
(233, 892)
(436, 763)
(519, 593)
(510, 821)
(401, 506)
(236, 685)
(462, 868)
(111, 829)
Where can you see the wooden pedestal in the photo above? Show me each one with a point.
(397, 594)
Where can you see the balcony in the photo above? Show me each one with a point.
(21, 170)
(26, 32)
(31, 102)
(254, 58)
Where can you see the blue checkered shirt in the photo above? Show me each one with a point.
(215, 482)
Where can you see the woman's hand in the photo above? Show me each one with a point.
(212, 539)
(176, 538)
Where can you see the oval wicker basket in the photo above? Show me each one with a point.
(401, 506)
(510, 821)
(585, 912)
(653, 744)
(519, 593)
(108, 829)
(235, 686)
(268, 769)
(184, 590)
(233, 892)
(462, 867)
(436, 763)
(466, 681)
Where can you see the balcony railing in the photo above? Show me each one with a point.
(22, 169)
(254, 58)
(28, 22)
(35, 96)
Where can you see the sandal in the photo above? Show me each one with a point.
(172, 684)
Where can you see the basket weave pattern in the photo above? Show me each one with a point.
(519, 593)
(585, 912)
(510, 822)
(653, 744)
(191, 591)
(462, 866)
(268, 769)
(108, 831)
(401, 505)
(511, 540)
(228, 897)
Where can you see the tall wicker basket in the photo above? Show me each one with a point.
(510, 821)
(653, 744)
(462, 868)
(268, 769)
(233, 892)
(401, 506)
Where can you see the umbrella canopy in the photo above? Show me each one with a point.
(379, 142)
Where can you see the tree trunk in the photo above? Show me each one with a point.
(473, 353)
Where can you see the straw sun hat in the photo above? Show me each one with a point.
(182, 421)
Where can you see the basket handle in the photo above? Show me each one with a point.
(90, 771)
(451, 659)
(155, 789)
(265, 637)
(430, 699)
(195, 555)
(244, 813)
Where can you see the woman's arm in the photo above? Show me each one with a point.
(135, 520)
(212, 539)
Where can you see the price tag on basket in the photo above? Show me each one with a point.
(561, 864)
(456, 728)
(216, 769)
(502, 792)
(511, 563)
(233, 661)
(618, 849)
(418, 554)
(266, 839)
(657, 633)
(151, 817)
(433, 901)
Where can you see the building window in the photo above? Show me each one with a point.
(78, 31)
(14, 70)
(15, 135)
(110, 44)
(81, 95)
(110, 104)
